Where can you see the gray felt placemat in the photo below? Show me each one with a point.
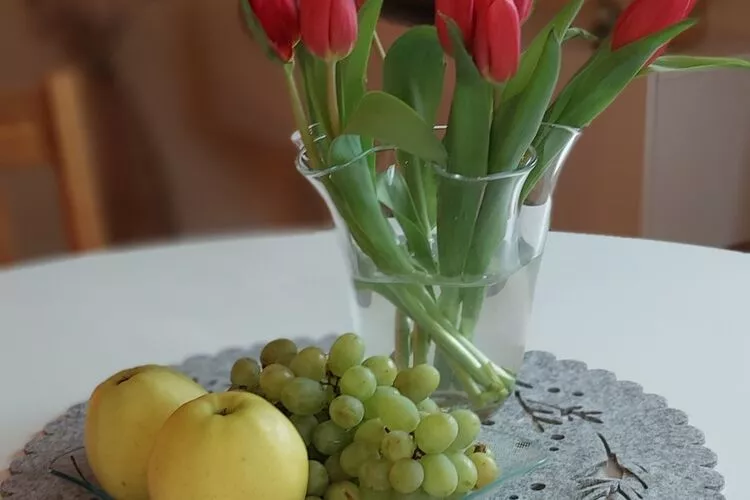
(604, 438)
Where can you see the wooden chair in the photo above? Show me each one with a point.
(47, 127)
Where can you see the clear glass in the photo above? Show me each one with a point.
(456, 292)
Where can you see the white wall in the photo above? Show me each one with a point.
(697, 182)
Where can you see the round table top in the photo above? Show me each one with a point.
(673, 318)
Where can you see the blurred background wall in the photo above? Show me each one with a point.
(189, 127)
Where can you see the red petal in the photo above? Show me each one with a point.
(462, 12)
(343, 27)
(497, 47)
(524, 8)
(646, 17)
(315, 25)
(280, 20)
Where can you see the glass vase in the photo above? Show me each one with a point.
(469, 320)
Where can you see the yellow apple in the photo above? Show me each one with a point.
(228, 446)
(125, 413)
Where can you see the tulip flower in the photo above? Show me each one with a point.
(497, 39)
(462, 13)
(646, 17)
(524, 9)
(280, 21)
(328, 27)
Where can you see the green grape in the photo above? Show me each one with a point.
(479, 448)
(343, 490)
(329, 438)
(317, 478)
(355, 455)
(348, 350)
(487, 469)
(305, 425)
(370, 432)
(359, 382)
(383, 368)
(397, 445)
(370, 494)
(303, 396)
(398, 413)
(436, 432)
(373, 474)
(418, 383)
(279, 351)
(440, 476)
(273, 379)
(373, 403)
(310, 363)
(346, 411)
(469, 427)
(428, 406)
(406, 475)
(466, 470)
(335, 471)
(245, 373)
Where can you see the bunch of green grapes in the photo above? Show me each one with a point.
(372, 431)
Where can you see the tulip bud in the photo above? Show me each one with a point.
(329, 27)
(280, 21)
(497, 39)
(524, 9)
(647, 17)
(462, 13)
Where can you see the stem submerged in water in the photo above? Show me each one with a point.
(403, 348)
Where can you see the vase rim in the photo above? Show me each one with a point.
(304, 169)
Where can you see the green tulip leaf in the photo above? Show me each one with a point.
(352, 70)
(356, 196)
(414, 71)
(666, 64)
(467, 142)
(574, 33)
(608, 75)
(516, 124)
(518, 120)
(468, 135)
(393, 192)
(391, 121)
(560, 25)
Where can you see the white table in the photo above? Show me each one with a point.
(674, 318)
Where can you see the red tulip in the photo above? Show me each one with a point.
(497, 39)
(462, 13)
(329, 27)
(647, 17)
(280, 21)
(524, 9)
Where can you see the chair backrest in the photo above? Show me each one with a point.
(25, 132)
(48, 127)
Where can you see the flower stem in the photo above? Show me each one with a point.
(379, 45)
(300, 119)
(401, 354)
(333, 99)
(448, 341)
(421, 345)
